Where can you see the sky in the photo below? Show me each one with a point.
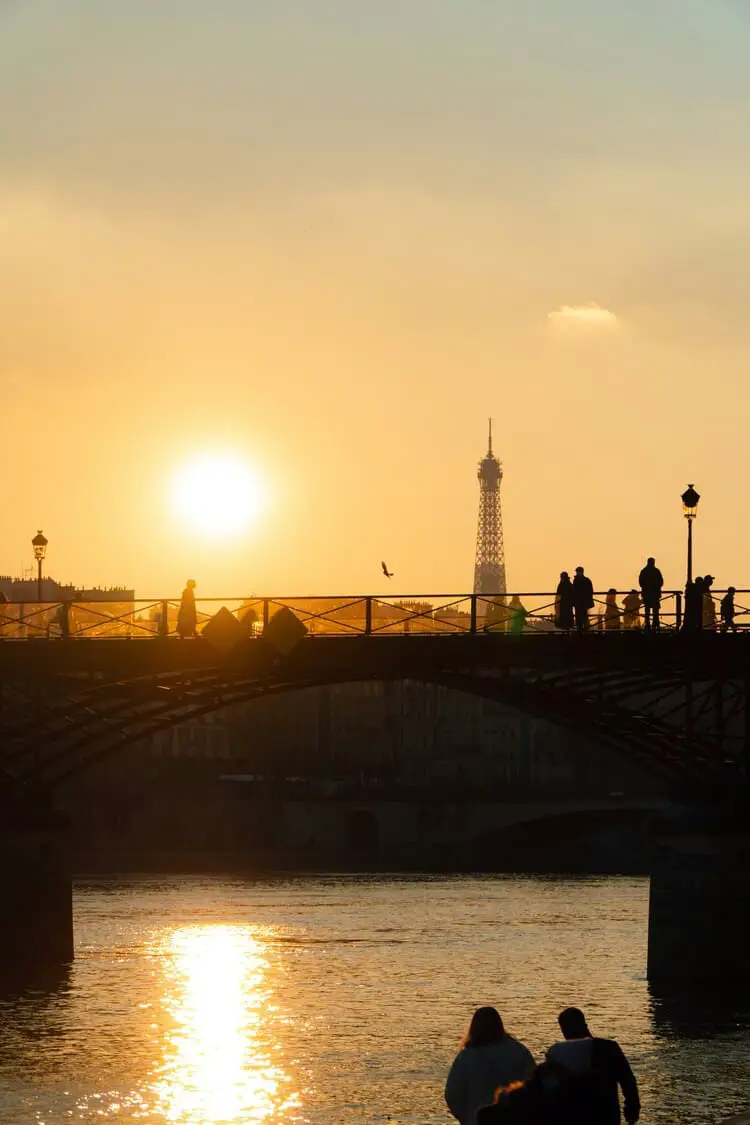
(333, 238)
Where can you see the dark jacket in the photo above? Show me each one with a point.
(599, 1073)
(583, 592)
(651, 581)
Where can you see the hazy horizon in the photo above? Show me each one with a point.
(335, 238)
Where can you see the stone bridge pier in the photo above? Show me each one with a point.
(36, 932)
(699, 903)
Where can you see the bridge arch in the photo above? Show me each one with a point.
(568, 837)
(66, 721)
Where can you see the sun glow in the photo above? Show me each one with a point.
(219, 1039)
(217, 495)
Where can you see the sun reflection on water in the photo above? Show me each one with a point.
(217, 1061)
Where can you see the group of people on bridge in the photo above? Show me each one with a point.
(494, 1079)
(574, 601)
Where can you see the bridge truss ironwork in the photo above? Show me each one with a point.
(79, 685)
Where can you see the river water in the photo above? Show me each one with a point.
(332, 1000)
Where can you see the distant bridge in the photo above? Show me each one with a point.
(80, 680)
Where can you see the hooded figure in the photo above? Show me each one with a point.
(518, 614)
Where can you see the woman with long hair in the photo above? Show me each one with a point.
(488, 1058)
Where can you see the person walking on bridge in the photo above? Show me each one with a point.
(187, 618)
(583, 599)
(727, 611)
(651, 582)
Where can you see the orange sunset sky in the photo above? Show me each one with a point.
(330, 237)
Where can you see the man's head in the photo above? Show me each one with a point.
(573, 1024)
(650, 562)
(579, 570)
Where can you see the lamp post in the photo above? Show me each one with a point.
(690, 500)
(39, 543)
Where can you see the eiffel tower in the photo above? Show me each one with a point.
(489, 566)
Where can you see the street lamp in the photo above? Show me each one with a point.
(690, 500)
(39, 543)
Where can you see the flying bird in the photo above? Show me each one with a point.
(388, 573)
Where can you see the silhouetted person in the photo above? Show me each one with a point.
(651, 581)
(583, 599)
(564, 603)
(693, 619)
(709, 609)
(631, 605)
(249, 618)
(727, 611)
(602, 1066)
(549, 1097)
(611, 611)
(517, 613)
(187, 618)
(488, 1058)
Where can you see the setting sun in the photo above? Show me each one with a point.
(217, 495)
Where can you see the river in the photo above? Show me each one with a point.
(332, 1000)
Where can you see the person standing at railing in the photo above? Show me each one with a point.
(187, 618)
(727, 611)
(693, 620)
(518, 614)
(564, 603)
(709, 609)
(583, 599)
(651, 582)
(631, 605)
(611, 611)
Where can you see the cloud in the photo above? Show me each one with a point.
(590, 315)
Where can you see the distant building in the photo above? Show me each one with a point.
(26, 590)
(410, 733)
(100, 611)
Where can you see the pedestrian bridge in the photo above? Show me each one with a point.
(344, 615)
(82, 680)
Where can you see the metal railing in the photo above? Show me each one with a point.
(526, 613)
